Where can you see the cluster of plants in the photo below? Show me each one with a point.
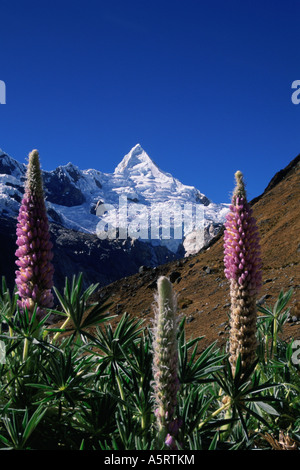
(88, 386)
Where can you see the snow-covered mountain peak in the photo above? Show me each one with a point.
(74, 195)
(10, 166)
(136, 162)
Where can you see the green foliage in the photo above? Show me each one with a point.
(81, 313)
(8, 301)
(196, 370)
(271, 322)
(19, 427)
(89, 386)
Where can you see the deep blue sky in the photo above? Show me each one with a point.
(203, 86)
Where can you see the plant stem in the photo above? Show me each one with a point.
(120, 387)
(59, 332)
(25, 349)
(275, 336)
(215, 413)
(143, 422)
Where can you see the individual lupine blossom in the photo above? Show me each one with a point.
(243, 268)
(165, 362)
(34, 279)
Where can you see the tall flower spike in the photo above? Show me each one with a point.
(243, 268)
(34, 278)
(165, 361)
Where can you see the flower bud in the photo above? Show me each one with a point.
(33, 234)
(244, 272)
(165, 359)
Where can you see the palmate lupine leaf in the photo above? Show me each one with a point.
(112, 345)
(65, 377)
(193, 407)
(110, 341)
(139, 355)
(19, 431)
(96, 414)
(275, 314)
(138, 381)
(8, 301)
(246, 394)
(27, 323)
(201, 369)
(272, 319)
(81, 313)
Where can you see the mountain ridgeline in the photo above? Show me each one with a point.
(72, 198)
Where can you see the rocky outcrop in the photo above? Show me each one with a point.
(197, 240)
(100, 261)
(10, 166)
(60, 189)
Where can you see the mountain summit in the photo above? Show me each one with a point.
(145, 173)
(137, 160)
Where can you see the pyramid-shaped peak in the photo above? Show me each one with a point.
(137, 149)
(136, 158)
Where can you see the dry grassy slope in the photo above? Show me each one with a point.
(203, 293)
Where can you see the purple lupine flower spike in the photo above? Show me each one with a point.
(243, 268)
(165, 362)
(34, 278)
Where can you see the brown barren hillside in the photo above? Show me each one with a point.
(203, 291)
